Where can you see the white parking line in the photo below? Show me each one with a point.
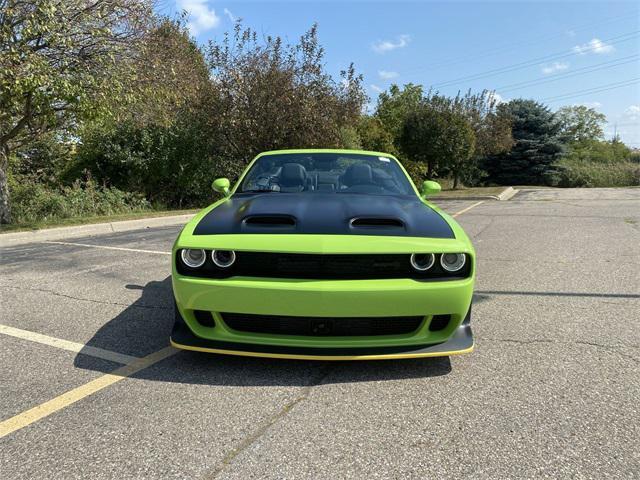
(122, 249)
(67, 345)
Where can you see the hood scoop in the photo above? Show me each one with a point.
(376, 222)
(324, 214)
(269, 221)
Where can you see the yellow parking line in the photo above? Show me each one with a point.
(47, 408)
(67, 345)
(464, 210)
(105, 247)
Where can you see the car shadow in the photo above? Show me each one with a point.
(144, 327)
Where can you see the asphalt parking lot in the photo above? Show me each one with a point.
(551, 390)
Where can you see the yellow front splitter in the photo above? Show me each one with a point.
(460, 342)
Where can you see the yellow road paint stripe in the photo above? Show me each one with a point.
(464, 210)
(67, 345)
(290, 356)
(105, 247)
(72, 396)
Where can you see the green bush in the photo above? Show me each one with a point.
(36, 202)
(170, 165)
(593, 163)
(579, 173)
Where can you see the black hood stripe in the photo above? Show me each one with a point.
(324, 214)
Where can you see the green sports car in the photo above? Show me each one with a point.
(323, 254)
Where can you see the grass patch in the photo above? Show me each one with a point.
(64, 222)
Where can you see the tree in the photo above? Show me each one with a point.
(157, 142)
(374, 136)
(394, 107)
(55, 57)
(491, 128)
(438, 138)
(537, 147)
(276, 95)
(579, 123)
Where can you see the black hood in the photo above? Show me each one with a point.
(320, 213)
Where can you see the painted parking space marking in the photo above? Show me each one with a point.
(49, 407)
(72, 396)
(105, 247)
(67, 345)
(464, 210)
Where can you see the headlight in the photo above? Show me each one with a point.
(422, 261)
(193, 258)
(452, 262)
(223, 258)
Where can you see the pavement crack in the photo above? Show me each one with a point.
(604, 346)
(491, 222)
(248, 441)
(90, 300)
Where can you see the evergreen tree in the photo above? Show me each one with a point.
(537, 147)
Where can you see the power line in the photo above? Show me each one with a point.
(601, 88)
(562, 76)
(627, 124)
(506, 47)
(517, 66)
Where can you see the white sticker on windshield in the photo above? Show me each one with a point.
(384, 159)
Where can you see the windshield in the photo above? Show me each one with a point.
(327, 173)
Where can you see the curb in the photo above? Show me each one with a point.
(506, 194)
(60, 233)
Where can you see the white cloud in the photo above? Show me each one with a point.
(200, 17)
(496, 97)
(383, 46)
(633, 112)
(387, 75)
(554, 67)
(594, 46)
(589, 104)
(376, 88)
(230, 15)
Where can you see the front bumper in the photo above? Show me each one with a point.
(460, 342)
(323, 298)
(309, 298)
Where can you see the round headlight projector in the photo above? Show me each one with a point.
(193, 258)
(223, 258)
(452, 262)
(422, 261)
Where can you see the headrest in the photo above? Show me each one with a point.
(358, 174)
(292, 175)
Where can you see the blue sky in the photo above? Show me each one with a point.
(561, 52)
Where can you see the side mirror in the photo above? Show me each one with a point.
(430, 188)
(221, 185)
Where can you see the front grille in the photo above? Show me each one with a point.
(321, 326)
(321, 267)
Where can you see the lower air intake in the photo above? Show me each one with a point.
(321, 326)
(204, 318)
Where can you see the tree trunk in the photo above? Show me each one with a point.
(456, 179)
(5, 206)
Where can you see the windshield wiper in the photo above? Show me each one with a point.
(260, 190)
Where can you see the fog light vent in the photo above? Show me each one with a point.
(439, 322)
(204, 318)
